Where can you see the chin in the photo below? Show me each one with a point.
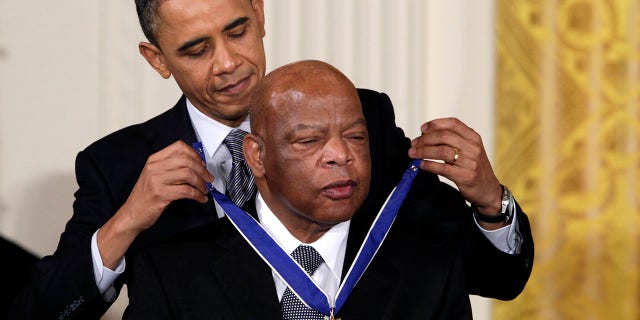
(338, 217)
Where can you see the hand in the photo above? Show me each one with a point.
(175, 172)
(465, 161)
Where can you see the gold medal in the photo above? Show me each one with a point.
(331, 317)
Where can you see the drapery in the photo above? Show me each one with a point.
(568, 145)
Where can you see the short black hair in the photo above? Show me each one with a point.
(148, 17)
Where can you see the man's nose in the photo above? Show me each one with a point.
(226, 59)
(336, 153)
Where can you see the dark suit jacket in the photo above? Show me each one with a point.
(16, 265)
(425, 269)
(63, 285)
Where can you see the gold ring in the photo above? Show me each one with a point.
(456, 154)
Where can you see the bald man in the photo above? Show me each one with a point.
(309, 152)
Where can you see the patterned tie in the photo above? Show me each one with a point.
(292, 308)
(240, 184)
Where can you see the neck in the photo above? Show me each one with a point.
(229, 119)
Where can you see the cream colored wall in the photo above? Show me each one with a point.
(70, 73)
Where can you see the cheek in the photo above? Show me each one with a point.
(192, 76)
(293, 176)
(253, 50)
(363, 159)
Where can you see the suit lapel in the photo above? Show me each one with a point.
(376, 277)
(360, 224)
(171, 126)
(246, 280)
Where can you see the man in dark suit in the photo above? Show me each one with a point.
(145, 183)
(309, 152)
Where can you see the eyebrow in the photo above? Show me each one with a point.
(191, 43)
(302, 126)
(360, 121)
(233, 24)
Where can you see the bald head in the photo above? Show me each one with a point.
(287, 86)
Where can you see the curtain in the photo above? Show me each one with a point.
(567, 143)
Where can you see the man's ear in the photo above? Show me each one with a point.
(258, 8)
(253, 148)
(154, 56)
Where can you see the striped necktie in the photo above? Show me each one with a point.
(240, 183)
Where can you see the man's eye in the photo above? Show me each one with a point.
(307, 141)
(198, 53)
(237, 35)
(356, 137)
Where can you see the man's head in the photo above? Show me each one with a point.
(213, 49)
(309, 147)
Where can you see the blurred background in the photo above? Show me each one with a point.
(553, 87)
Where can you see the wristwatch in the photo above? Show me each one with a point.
(504, 215)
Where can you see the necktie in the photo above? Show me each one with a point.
(240, 184)
(292, 308)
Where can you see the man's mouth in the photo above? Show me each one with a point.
(339, 190)
(235, 87)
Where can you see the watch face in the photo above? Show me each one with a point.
(506, 198)
(505, 215)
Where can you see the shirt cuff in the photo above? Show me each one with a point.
(104, 276)
(505, 239)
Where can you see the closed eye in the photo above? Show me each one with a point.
(356, 137)
(237, 35)
(307, 141)
(198, 53)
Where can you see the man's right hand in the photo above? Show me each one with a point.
(175, 172)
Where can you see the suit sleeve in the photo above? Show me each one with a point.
(63, 284)
(489, 271)
(493, 273)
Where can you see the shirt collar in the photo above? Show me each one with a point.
(209, 131)
(331, 246)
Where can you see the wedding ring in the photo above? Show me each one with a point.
(456, 154)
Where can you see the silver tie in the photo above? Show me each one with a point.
(240, 184)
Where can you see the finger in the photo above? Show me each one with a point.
(175, 171)
(187, 191)
(446, 153)
(176, 149)
(461, 176)
(441, 137)
(449, 124)
(179, 160)
(161, 194)
(187, 176)
(443, 169)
